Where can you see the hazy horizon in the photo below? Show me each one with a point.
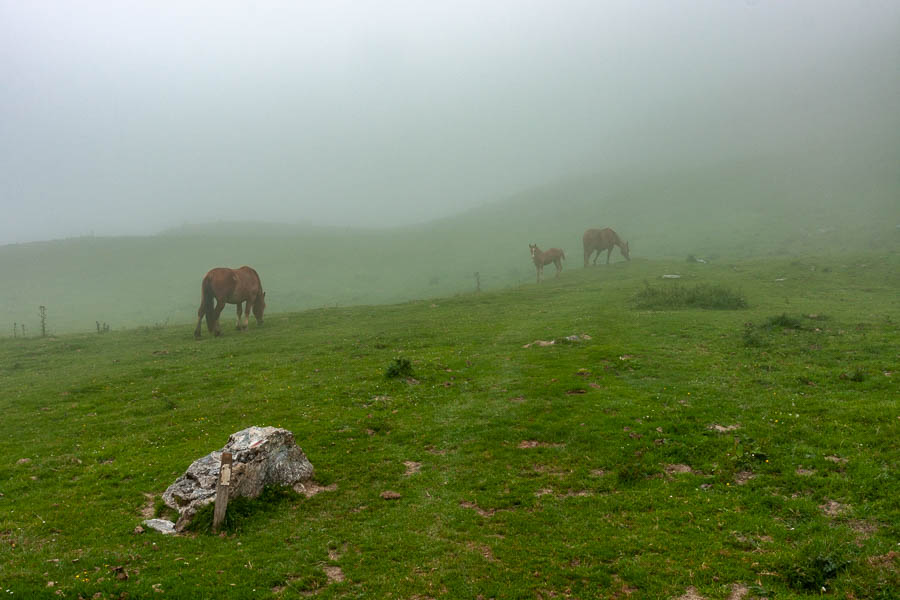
(129, 120)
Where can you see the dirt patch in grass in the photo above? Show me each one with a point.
(724, 428)
(435, 451)
(677, 469)
(598, 472)
(311, 488)
(743, 477)
(863, 528)
(478, 509)
(836, 459)
(548, 470)
(412, 467)
(884, 560)
(536, 444)
(568, 494)
(333, 573)
(738, 591)
(148, 510)
(690, 594)
(833, 508)
(517, 400)
(805, 472)
(482, 549)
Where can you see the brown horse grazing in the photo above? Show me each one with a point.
(553, 255)
(602, 239)
(230, 286)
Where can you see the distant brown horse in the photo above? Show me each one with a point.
(602, 239)
(230, 286)
(553, 255)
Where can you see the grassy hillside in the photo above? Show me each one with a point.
(793, 207)
(727, 451)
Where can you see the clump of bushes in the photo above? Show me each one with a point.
(399, 367)
(669, 297)
(814, 567)
(783, 321)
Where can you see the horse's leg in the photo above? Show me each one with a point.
(587, 257)
(558, 264)
(200, 313)
(608, 252)
(247, 305)
(239, 327)
(220, 305)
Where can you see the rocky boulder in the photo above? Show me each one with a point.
(261, 456)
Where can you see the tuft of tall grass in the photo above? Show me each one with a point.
(702, 295)
(399, 367)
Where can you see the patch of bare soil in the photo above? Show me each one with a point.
(435, 451)
(805, 472)
(148, 509)
(738, 591)
(569, 494)
(517, 400)
(691, 594)
(723, 428)
(598, 472)
(482, 549)
(836, 459)
(677, 469)
(390, 495)
(548, 470)
(478, 509)
(334, 574)
(833, 508)
(884, 560)
(863, 528)
(536, 444)
(412, 467)
(743, 477)
(311, 488)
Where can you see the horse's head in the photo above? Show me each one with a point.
(533, 248)
(258, 307)
(624, 248)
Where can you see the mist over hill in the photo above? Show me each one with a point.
(828, 204)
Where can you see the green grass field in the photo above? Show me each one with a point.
(749, 451)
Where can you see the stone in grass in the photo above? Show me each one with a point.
(261, 456)
(163, 526)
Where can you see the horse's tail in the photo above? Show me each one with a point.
(207, 300)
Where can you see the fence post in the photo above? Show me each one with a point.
(222, 491)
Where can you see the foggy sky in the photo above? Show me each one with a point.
(127, 118)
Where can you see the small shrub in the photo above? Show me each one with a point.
(751, 336)
(632, 472)
(783, 321)
(813, 569)
(669, 297)
(857, 375)
(399, 367)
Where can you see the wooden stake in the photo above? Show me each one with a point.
(222, 491)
